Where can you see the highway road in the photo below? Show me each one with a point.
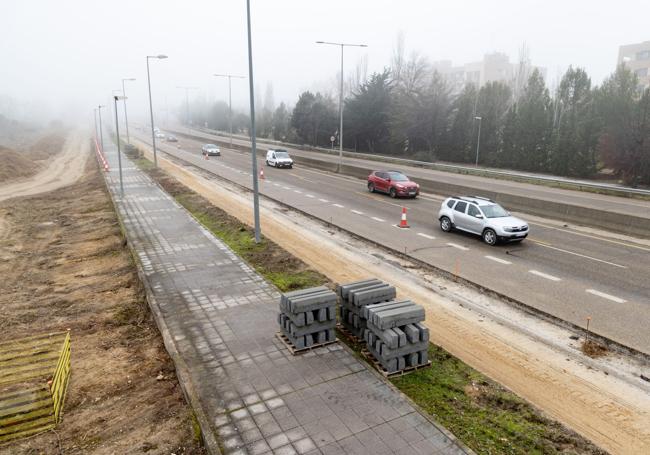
(619, 205)
(567, 273)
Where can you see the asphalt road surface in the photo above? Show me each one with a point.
(567, 273)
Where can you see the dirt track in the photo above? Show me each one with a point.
(605, 410)
(64, 169)
(64, 265)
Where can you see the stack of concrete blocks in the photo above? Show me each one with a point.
(308, 317)
(395, 335)
(358, 295)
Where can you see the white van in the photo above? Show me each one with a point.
(278, 158)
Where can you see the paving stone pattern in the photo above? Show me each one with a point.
(222, 317)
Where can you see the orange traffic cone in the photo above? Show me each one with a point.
(403, 223)
(207, 157)
(105, 166)
(261, 174)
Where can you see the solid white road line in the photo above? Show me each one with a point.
(426, 236)
(613, 298)
(499, 260)
(357, 212)
(460, 247)
(339, 206)
(378, 219)
(544, 275)
(545, 245)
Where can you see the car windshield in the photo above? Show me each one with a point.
(494, 211)
(281, 155)
(210, 146)
(398, 177)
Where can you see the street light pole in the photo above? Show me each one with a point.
(478, 139)
(126, 118)
(101, 133)
(229, 76)
(153, 134)
(95, 115)
(117, 132)
(342, 45)
(256, 200)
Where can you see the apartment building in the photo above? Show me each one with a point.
(637, 58)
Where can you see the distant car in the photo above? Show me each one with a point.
(483, 217)
(393, 183)
(278, 158)
(210, 150)
(156, 130)
(160, 135)
(172, 138)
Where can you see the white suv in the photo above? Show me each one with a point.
(481, 216)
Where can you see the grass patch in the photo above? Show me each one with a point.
(483, 415)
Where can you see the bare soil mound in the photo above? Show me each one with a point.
(15, 165)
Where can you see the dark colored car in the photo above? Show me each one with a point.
(393, 183)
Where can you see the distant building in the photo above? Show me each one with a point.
(637, 58)
(494, 67)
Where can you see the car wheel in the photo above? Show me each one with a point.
(445, 224)
(267, 163)
(371, 187)
(490, 237)
(393, 193)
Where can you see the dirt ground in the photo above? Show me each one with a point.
(64, 265)
(606, 411)
(20, 163)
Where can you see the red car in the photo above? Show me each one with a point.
(392, 182)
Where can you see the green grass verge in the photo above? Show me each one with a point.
(483, 415)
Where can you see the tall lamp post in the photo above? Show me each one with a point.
(342, 45)
(96, 131)
(101, 133)
(126, 118)
(117, 132)
(187, 104)
(229, 76)
(153, 134)
(478, 138)
(256, 198)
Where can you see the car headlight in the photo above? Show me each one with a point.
(508, 229)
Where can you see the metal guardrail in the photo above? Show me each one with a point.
(459, 169)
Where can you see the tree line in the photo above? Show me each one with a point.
(410, 110)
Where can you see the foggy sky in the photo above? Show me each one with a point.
(62, 58)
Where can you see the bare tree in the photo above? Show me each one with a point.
(398, 59)
(522, 72)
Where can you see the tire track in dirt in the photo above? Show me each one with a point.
(65, 169)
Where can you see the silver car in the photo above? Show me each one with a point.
(481, 216)
(210, 150)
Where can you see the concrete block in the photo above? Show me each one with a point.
(321, 314)
(344, 289)
(373, 295)
(312, 302)
(412, 333)
(284, 298)
(311, 328)
(397, 317)
(401, 363)
(368, 310)
(387, 353)
(423, 357)
(424, 331)
(401, 336)
(413, 359)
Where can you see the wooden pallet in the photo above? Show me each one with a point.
(377, 364)
(349, 335)
(295, 351)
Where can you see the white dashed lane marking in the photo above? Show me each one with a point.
(499, 260)
(297, 191)
(426, 236)
(378, 219)
(310, 195)
(613, 298)
(460, 247)
(323, 200)
(339, 206)
(545, 275)
(357, 212)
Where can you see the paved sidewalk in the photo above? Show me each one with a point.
(219, 319)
